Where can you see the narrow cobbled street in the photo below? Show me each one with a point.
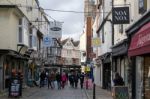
(45, 93)
(67, 93)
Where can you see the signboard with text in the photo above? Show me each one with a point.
(120, 92)
(55, 30)
(47, 41)
(120, 15)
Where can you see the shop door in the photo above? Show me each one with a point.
(107, 76)
(1, 74)
(139, 77)
(147, 77)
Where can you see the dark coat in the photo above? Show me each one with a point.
(118, 81)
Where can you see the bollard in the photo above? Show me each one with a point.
(94, 94)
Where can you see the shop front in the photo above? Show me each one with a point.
(140, 49)
(11, 63)
(139, 54)
(106, 71)
(121, 61)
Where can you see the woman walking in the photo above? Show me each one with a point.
(63, 79)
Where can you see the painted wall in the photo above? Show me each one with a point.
(83, 47)
(9, 29)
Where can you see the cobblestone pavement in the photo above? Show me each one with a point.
(66, 93)
(45, 93)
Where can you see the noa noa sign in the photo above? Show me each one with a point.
(120, 15)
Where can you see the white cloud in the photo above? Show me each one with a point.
(72, 22)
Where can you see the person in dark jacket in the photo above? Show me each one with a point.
(42, 78)
(58, 79)
(118, 80)
(71, 79)
(76, 78)
(81, 80)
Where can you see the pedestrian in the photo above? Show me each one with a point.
(118, 80)
(49, 81)
(63, 79)
(42, 78)
(52, 79)
(81, 80)
(71, 79)
(58, 79)
(87, 81)
(76, 78)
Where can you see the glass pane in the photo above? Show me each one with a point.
(20, 35)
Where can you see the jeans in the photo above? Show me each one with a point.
(59, 84)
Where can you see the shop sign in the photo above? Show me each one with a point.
(47, 41)
(120, 15)
(120, 92)
(55, 30)
(96, 42)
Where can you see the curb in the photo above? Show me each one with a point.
(87, 94)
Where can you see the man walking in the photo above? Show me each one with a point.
(58, 79)
(81, 80)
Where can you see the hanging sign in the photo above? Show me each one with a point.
(47, 41)
(96, 42)
(120, 15)
(55, 30)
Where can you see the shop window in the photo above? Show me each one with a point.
(121, 28)
(142, 6)
(20, 35)
(103, 37)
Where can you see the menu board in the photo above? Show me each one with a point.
(120, 92)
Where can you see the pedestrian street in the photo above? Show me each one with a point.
(45, 93)
(66, 93)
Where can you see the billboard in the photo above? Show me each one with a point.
(55, 30)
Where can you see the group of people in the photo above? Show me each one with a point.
(52, 78)
(61, 79)
(74, 78)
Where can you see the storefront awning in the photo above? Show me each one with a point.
(106, 57)
(120, 49)
(140, 42)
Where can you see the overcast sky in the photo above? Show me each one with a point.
(72, 22)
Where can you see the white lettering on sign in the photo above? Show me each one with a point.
(121, 15)
(142, 40)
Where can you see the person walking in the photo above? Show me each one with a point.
(58, 79)
(81, 80)
(76, 77)
(71, 79)
(63, 79)
(52, 79)
(49, 81)
(42, 78)
(118, 80)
